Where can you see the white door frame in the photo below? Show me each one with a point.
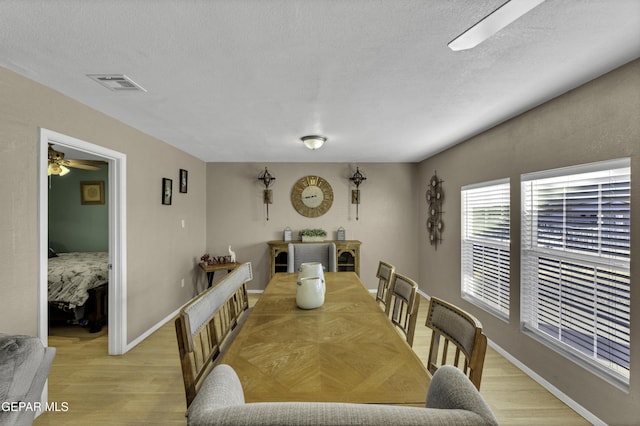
(117, 310)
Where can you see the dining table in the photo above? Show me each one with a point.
(347, 350)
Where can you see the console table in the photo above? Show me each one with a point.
(348, 253)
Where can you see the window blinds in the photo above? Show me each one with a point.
(575, 263)
(486, 246)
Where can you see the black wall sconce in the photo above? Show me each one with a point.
(357, 179)
(267, 179)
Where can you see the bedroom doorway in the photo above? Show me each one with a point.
(116, 205)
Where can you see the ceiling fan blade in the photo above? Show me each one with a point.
(78, 164)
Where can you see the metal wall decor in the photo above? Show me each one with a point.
(267, 179)
(435, 195)
(357, 179)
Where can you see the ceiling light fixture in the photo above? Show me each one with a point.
(56, 169)
(313, 141)
(492, 23)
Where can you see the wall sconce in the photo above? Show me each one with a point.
(357, 179)
(267, 179)
(313, 141)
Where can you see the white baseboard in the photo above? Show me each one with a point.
(152, 330)
(590, 417)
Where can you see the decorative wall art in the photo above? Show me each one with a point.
(435, 196)
(167, 191)
(312, 196)
(184, 180)
(92, 192)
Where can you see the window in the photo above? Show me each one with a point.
(575, 264)
(485, 246)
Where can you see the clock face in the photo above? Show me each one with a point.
(312, 196)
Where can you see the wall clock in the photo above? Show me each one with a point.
(312, 196)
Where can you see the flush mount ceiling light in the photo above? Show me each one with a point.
(117, 82)
(313, 141)
(492, 23)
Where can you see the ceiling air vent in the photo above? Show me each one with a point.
(117, 82)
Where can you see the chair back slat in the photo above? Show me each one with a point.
(384, 274)
(453, 325)
(402, 305)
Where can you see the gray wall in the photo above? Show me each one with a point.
(74, 226)
(595, 122)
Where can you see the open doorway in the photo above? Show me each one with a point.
(115, 200)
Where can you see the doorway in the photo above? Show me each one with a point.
(116, 317)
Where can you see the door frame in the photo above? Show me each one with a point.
(117, 294)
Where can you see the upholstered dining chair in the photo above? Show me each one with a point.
(384, 275)
(402, 305)
(449, 323)
(324, 253)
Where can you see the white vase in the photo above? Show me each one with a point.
(310, 239)
(312, 269)
(309, 293)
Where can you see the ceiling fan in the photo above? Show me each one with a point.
(59, 166)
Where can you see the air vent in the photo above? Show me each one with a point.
(117, 82)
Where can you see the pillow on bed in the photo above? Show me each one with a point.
(52, 253)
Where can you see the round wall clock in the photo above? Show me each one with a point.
(312, 196)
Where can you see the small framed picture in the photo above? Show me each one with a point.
(167, 191)
(184, 180)
(92, 192)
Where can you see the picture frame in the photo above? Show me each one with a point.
(184, 180)
(92, 192)
(167, 191)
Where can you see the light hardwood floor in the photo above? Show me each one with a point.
(144, 386)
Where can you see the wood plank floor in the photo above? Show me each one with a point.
(145, 387)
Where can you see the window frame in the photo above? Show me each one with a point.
(499, 246)
(573, 262)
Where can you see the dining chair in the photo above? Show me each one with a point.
(324, 253)
(384, 275)
(402, 304)
(451, 324)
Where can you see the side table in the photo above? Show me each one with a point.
(211, 269)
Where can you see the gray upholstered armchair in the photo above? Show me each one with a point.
(24, 368)
(324, 253)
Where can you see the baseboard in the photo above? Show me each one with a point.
(590, 417)
(162, 322)
(152, 330)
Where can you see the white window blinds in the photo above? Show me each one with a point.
(575, 263)
(486, 246)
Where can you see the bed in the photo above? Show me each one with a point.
(77, 288)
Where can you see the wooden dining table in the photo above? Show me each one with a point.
(344, 351)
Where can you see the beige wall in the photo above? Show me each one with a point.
(388, 213)
(160, 251)
(595, 122)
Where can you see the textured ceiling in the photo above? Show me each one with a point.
(243, 80)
